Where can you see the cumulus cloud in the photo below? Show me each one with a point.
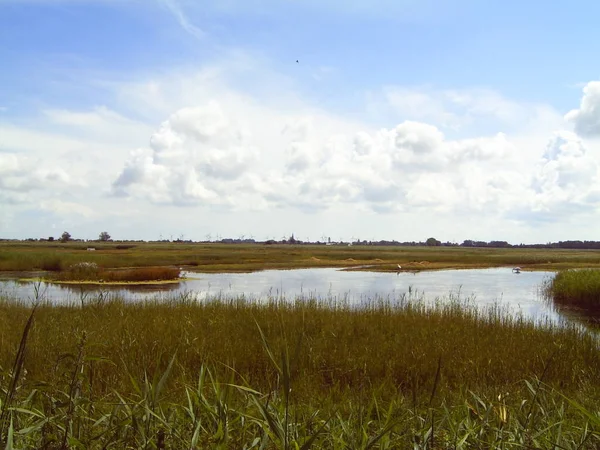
(192, 158)
(215, 149)
(586, 119)
(205, 156)
(564, 183)
(567, 169)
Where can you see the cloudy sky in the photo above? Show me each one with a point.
(402, 119)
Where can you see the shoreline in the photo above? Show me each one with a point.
(103, 283)
(362, 268)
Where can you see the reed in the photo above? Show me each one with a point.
(184, 373)
(576, 288)
(86, 271)
(341, 347)
(141, 274)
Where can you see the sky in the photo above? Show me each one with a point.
(381, 119)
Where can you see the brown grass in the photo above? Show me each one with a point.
(141, 274)
(180, 373)
(87, 272)
(336, 348)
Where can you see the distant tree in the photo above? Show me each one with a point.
(433, 242)
(500, 244)
(51, 238)
(104, 236)
(65, 237)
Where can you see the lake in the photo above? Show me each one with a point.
(517, 292)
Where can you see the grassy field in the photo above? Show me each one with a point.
(238, 374)
(240, 258)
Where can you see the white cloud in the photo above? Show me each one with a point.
(195, 154)
(23, 174)
(176, 9)
(586, 119)
(416, 104)
(206, 156)
(301, 163)
(231, 158)
(464, 111)
(13, 198)
(567, 175)
(59, 168)
(63, 208)
(64, 161)
(101, 123)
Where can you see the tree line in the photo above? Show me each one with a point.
(430, 242)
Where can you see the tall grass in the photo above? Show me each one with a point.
(341, 348)
(141, 274)
(51, 263)
(86, 271)
(579, 288)
(308, 374)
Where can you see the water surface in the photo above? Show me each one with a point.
(517, 292)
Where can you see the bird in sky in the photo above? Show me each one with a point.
(297, 61)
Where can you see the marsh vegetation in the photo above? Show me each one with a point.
(91, 272)
(57, 256)
(219, 372)
(104, 373)
(578, 289)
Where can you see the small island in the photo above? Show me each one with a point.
(90, 273)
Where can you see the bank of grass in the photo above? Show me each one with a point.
(576, 288)
(86, 272)
(180, 373)
(56, 256)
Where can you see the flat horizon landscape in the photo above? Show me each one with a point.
(297, 225)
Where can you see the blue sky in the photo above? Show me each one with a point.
(523, 49)
(403, 119)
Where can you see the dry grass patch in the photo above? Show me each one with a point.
(87, 271)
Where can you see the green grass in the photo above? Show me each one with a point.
(179, 373)
(22, 256)
(576, 288)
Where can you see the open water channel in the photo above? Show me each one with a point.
(517, 293)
